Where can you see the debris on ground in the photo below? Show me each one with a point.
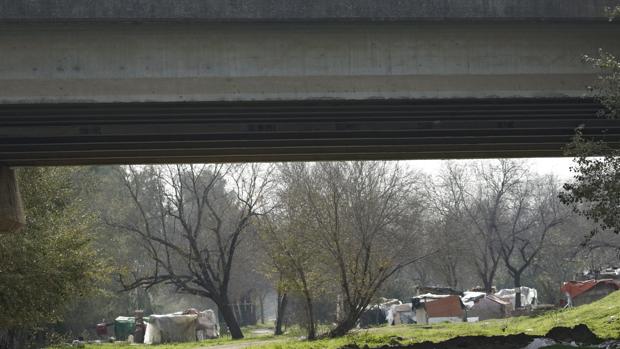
(613, 344)
(538, 343)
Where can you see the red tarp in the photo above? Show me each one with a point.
(575, 288)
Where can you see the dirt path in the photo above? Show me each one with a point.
(243, 345)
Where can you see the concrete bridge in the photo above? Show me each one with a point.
(146, 81)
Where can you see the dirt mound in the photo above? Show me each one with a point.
(580, 334)
(517, 341)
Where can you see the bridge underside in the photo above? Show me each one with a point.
(122, 133)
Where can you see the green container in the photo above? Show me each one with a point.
(123, 327)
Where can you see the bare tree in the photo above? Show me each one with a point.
(532, 209)
(192, 220)
(460, 196)
(507, 211)
(448, 236)
(364, 217)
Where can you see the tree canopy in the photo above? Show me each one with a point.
(51, 262)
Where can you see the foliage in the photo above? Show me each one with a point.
(350, 223)
(595, 189)
(52, 261)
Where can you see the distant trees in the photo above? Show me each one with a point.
(536, 211)
(460, 195)
(191, 220)
(51, 262)
(354, 223)
(503, 210)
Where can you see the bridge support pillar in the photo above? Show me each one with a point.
(11, 211)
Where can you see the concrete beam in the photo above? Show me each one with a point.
(166, 62)
(11, 211)
(300, 10)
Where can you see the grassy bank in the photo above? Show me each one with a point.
(603, 318)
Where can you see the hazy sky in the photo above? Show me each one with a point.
(557, 166)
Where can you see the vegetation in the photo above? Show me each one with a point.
(191, 226)
(595, 190)
(51, 262)
(342, 230)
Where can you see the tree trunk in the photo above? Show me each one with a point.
(11, 208)
(487, 284)
(12, 339)
(228, 315)
(344, 326)
(310, 314)
(517, 282)
(282, 300)
(261, 300)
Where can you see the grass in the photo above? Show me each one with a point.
(603, 318)
(192, 345)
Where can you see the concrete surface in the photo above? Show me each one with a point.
(84, 62)
(296, 10)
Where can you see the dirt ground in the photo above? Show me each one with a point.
(243, 345)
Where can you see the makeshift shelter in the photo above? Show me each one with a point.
(377, 314)
(529, 296)
(171, 328)
(489, 306)
(373, 316)
(584, 292)
(438, 308)
(400, 314)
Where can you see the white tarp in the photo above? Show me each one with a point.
(528, 295)
(208, 326)
(171, 328)
(470, 297)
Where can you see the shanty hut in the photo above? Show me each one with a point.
(489, 306)
(400, 314)
(436, 309)
(171, 328)
(584, 292)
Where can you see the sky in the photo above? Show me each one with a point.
(557, 166)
